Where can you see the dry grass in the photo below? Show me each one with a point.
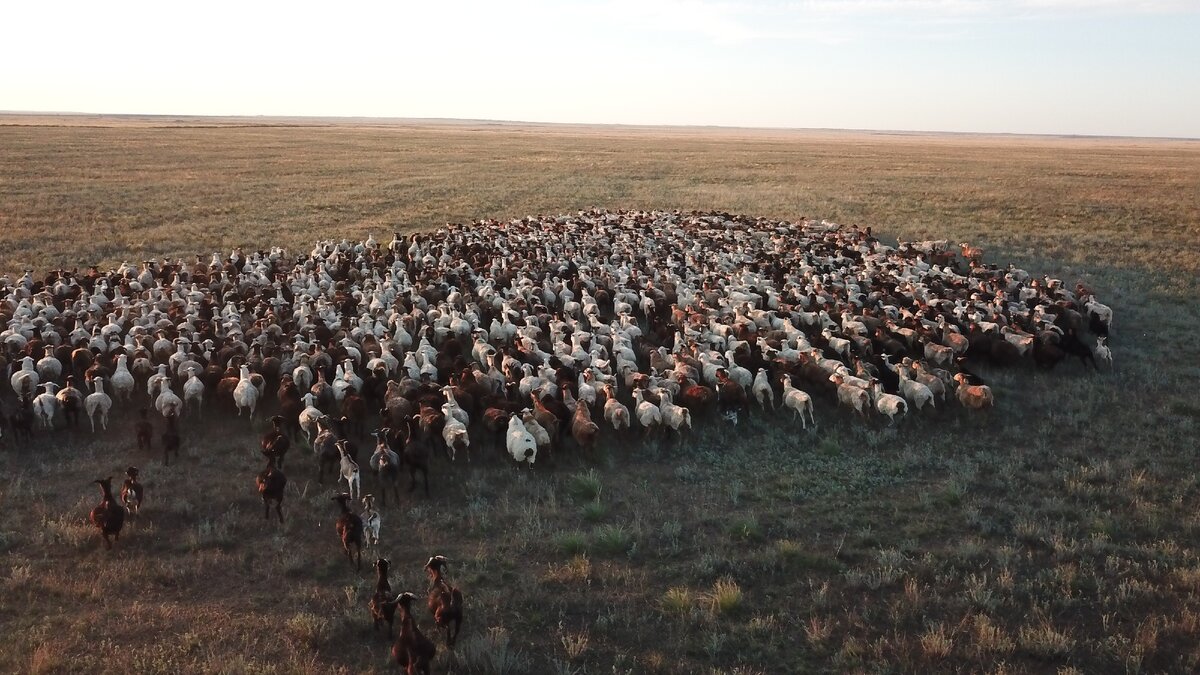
(1056, 536)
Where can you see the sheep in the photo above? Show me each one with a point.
(454, 434)
(45, 406)
(348, 471)
(939, 355)
(540, 434)
(25, 380)
(445, 601)
(976, 397)
(583, 429)
(888, 404)
(271, 483)
(122, 380)
(245, 394)
(916, 393)
(71, 402)
(132, 493)
(1102, 352)
(309, 417)
(371, 520)
(521, 444)
(349, 527)
(852, 397)
(763, 393)
(382, 603)
(648, 414)
(167, 400)
(971, 253)
(1102, 312)
(411, 650)
(674, 416)
(108, 516)
(799, 401)
(193, 392)
(98, 402)
(615, 412)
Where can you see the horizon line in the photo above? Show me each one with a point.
(618, 125)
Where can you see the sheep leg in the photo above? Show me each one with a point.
(92, 420)
(103, 420)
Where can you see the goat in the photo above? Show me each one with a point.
(411, 650)
(445, 601)
(371, 520)
(144, 430)
(382, 604)
(350, 530)
(170, 437)
(271, 483)
(386, 463)
(1102, 352)
(348, 471)
(132, 493)
(108, 516)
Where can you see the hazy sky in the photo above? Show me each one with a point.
(1126, 67)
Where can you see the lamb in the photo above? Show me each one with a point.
(108, 516)
(799, 401)
(888, 404)
(98, 402)
(132, 493)
(976, 397)
(445, 600)
(271, 483)
(350, 530)
(371, 520)
(521, 444)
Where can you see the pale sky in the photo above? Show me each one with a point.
(1108, 67)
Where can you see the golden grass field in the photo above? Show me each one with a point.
(1058, 535)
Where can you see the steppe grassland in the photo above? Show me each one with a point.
(1056, 535)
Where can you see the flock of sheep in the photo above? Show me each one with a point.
(534, 336)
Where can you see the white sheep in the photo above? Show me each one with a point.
(98, 402)
(677, 417)
(193, 391)
(309, 417)
(167, 402)
(46, 405)
(157, 381)
(454, 433)
(521, 444)
(245, 394)
(26, 379)
(615, 412)
(763, 393)
(1102, 312)
(648, 414)
(889, 404)
(915, 392)
(799, 401)
(122, 380)
(851, 396)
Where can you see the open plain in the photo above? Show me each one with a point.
(1059, 534)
